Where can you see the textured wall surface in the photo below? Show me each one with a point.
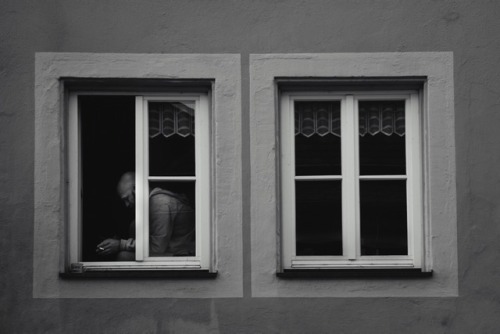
(469, 29)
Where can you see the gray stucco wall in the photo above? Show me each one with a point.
(469, 29)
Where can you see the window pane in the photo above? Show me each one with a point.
(172, 219)
(382, 138)
(171, 139)
(318, 217)
(107, 151)
(383, 217)
(317, 138)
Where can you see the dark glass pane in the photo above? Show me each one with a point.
(317, 138)
(107, 151)
(318, 217)
(382, 138)
(171, 139)
(172, 218)
(383, 217)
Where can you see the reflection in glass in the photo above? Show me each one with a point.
(172, 219)
(171, 139)
(317, 138)
(383, 217)
(382, 137)
(318, 217)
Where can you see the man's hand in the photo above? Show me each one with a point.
(108, 247)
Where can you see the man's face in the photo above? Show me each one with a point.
(127, 194)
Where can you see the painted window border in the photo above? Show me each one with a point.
(438, 147)
(51, 206)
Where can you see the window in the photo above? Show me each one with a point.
(88, 116)
(320, 180)
(351, 180)
(139, 181)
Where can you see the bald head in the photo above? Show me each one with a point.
(126, 188)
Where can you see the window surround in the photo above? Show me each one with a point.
(273, 74)
(55, 73)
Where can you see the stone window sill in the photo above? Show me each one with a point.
(353, 273)
(141, 274)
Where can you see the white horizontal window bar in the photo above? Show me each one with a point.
(318, 177)
(106, 266)
(176, 259)
(353, 264)
(172, 178)
(366, 258)
(350, 266)
(383, 177)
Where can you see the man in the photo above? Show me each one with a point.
(171, 224)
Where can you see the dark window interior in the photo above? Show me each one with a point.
(383, 217)
(383, 153)
(107, 151)
(317, 154)
(172, 152)
(318, 217)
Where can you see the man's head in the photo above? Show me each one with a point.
(126, 189)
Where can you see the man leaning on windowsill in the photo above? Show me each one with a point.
(171, 224)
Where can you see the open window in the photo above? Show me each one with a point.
(139, 181)
(171, 119)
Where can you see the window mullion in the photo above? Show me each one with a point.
(349, 172)
(141, 177)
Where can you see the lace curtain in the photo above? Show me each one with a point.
(170, 118)
(317, 118)
(387, 117)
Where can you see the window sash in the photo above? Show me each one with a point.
(202, 186)
(350, 179)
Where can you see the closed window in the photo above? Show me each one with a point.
(351, 180)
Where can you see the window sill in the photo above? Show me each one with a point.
(352, 273)
(147, 274)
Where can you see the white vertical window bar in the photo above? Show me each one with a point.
(75, 200)
(202, 170)
(145, 178)
(414, 184)
(287, 178)
(197, 187)
(409, 176)
(349, 142)
(140, 178)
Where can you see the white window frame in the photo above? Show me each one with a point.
(350, 179)
(202, 186)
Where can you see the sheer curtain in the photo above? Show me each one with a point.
(387, 117)
(170, 118)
